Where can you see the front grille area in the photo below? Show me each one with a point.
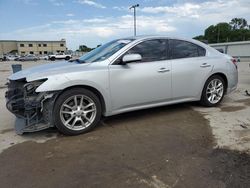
(23, 104)
(33, 110)
(15, 97)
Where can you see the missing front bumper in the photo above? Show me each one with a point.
(33, 110)
(21, 126)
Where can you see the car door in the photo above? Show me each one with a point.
(190, 68)
(141, 83)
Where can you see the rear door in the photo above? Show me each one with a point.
(190, 68)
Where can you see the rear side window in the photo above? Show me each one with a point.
(183, 49)
(151, 50)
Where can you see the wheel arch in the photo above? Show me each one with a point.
(92, 89)
(203, 100)
(223, 76)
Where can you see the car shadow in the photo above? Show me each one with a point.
(145, 113)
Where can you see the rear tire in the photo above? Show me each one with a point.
(67, 58)
(77, 111)
(213, 91)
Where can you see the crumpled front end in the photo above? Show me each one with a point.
(33, 110)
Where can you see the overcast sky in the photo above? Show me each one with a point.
(93, 22)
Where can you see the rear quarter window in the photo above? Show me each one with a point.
(201, 51)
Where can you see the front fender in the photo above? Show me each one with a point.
(53, 84)
(62, 82)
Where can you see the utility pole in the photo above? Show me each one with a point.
(134, 7)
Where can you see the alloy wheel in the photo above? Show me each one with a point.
(78, 112)
(214, 91)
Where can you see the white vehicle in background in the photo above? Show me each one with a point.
(53, 57)
(12, 57)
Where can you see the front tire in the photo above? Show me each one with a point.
(213, 91)
(52, 58)
(77, 111)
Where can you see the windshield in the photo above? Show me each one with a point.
(105, 51)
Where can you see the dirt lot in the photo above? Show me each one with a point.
(175, 146)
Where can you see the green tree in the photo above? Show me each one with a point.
(84, 48)
(223, 32)
(236, 30)
(211, 34)
(238, 23)
(200, 38)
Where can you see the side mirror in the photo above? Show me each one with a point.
(131, 58)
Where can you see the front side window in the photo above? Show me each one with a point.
(151, 50)
(183, 49)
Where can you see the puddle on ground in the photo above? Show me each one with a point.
(6, 131)
(245, 101)
(232, 108)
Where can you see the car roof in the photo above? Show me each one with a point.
(145, 37)
(139, 37)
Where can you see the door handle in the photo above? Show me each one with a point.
(162, 70)
(204, 65)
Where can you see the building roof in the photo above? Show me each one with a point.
(230, 43)
(63, 40)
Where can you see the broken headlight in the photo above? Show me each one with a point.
(30, 87)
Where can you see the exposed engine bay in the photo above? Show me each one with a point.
(33, 110)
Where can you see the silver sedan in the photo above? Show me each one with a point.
(120, 76)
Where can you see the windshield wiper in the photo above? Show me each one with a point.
(77, 60)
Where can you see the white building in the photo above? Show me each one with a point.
(236, 49)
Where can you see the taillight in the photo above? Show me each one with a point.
(234, 61)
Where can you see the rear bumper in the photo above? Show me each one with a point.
(230, 90)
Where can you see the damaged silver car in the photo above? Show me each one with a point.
(120, 76)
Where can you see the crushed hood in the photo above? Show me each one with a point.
(43, 71)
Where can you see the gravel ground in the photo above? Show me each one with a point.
(174, 146)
